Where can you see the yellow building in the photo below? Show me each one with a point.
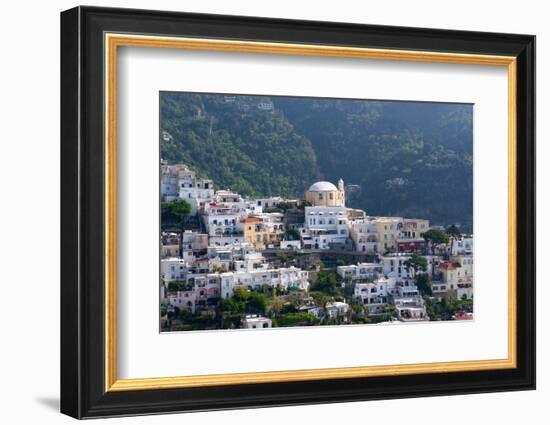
(261, 234)
(325, 194)
(388, 230)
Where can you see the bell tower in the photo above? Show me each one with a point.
(342, 191)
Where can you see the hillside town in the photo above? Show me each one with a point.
(235, 262)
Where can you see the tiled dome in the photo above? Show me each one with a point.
(322, 187)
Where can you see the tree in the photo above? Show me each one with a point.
(219, 269)
(453, 230)
(176, 212)
(435, 237)
(454, 233)
(277, 304)
(327, 282)
(320, 298)
(257, 303)
(292, 235)
(245, 302)
(175, 285)
(423, 284)
(417, 263)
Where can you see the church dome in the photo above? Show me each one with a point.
(322, 187)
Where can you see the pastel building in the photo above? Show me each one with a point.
(364, 234)
(388, 230)
(413, 228)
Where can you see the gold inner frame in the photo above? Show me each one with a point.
(113, 41)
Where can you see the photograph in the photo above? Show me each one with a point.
(304, 210)
(285, 211)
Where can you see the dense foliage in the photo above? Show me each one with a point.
(404, 158)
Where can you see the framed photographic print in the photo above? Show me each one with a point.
(261, 212)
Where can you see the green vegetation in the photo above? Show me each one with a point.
(423, 284)
(245, 302)
(252, 151)
(410, 159)
(327, 283)
(292, 235)
(435, 237)
(417, 262)
(174, 212)
(176, 285)
(297, 319)
(445, 309)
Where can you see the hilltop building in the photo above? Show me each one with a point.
(325, 194)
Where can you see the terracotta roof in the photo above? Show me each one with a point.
(250, 220)
(447, 266)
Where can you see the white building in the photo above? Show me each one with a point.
(375, 295)
(291, 245)
(226, 240)
(195, 190)
(182, 300)
(173, 269)
(256, 322)
(462, 246)
(283, 278)
(170, 174)
(237, 202)
(317, 311)
(223, 219)
(337, 309)
(360, 272)
(394, 266)
(326, 226)
(410, 308)
(270, 202)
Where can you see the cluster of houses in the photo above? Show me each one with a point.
(226, 246)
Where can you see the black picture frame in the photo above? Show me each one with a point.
(83, 392)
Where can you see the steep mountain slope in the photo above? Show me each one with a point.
(402, 158)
